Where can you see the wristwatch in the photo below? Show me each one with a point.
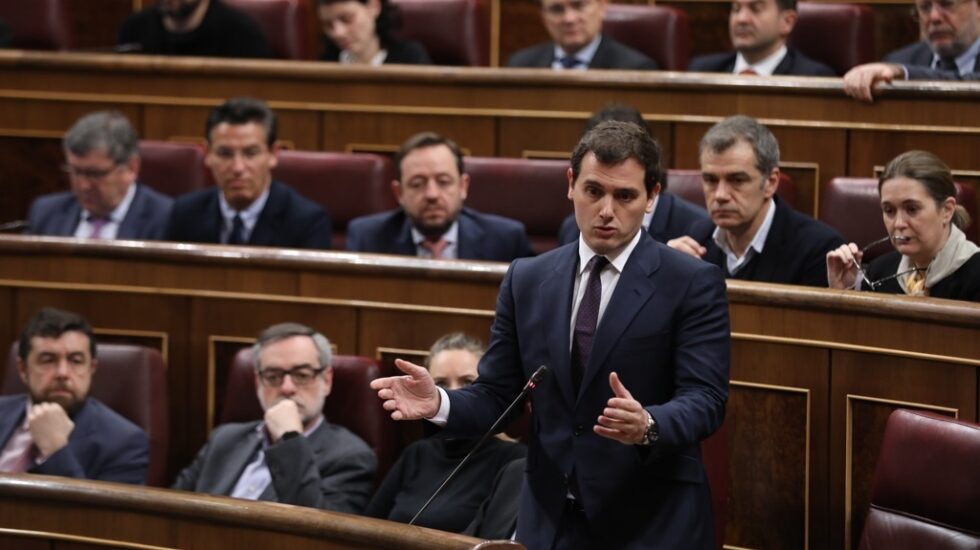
(652, 433)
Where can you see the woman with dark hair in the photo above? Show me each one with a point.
(361, 32)
(932, 256)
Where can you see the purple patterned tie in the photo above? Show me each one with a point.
(586, 320)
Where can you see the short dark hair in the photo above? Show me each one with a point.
(52, 323)
(455, 340)
(614, 142)
(724, 135)
(785, 5)
(929, 170)
(282, 331)
(106, 130)
(387, 22)
(242, 110)
(624, 113)
(423, 140)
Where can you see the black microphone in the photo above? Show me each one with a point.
(128, 47)
(531, 384)
(15, 225)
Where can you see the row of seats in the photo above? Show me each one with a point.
(457, 32)
(848, 204)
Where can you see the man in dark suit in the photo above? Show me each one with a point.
(637, 339)
(432, 222)
(577, 43)
(752, 234)
(758, 29)
(246, 207)
(293, 455)
(105, 202)
(56, 428)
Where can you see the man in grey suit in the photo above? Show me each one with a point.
(105, 202)
(577, 43)
(294, 455)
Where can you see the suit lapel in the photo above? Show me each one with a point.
(632, 292)
(69, 222)
(128, 226)
(266, 228)
(785, 66)
(470, 235)
(556, 289)
(661, 217)
(10, 417)
(237, 459)
(600, 59)
(404, 244)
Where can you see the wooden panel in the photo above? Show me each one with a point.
(869, 149)
(23, 543)
(384, 288)
(347, 132)
(30, 170)
(415, 329)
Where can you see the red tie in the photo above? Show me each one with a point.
(435, 248)
(748, 72)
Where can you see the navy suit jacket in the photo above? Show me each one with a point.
(794, 63)
(59, 214)
(610, 55)
(481, 236)
(666, 333)
(287, 220)
(673, 218)
(918, 54)
(926, 73)
(795, 251)
(102, 446)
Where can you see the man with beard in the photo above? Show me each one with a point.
(205, 28)
(432, 222)
(758, 29)
(56, 429)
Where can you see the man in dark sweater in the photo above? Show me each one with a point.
(206, 28)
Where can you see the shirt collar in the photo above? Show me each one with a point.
(250, 214)
(765, 67)
(118, 214)
(720, 236)
(346, 58)
(966, 61)
(450, 236)
(617, 260)
(584, 55)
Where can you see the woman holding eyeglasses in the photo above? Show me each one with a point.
(932, 256)
(359, 32)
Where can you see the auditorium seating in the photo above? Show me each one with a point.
(132, 381)
(926, 487)
(347, 185)
(173, 168)
(687, 184)
(286, 24)
(534, 192)
(839, 35)
(351, 403)
(38, 24)
(660, 32)
(454, 32)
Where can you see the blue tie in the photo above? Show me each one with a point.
(570, 62)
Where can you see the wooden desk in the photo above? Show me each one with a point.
(814, 372)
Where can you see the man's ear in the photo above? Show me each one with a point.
(22, 370)
(464, 185)
(772, 183)
(571, 183)
(396, 190)
(327, 380)
(787, 20)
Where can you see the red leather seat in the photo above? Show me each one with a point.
(660, 32)
(839, 35)
(287, 25)
(348, 185)
(533, 192)
(687, 184)
(38, 24)
(926, 487)
(717, 466)
(454, 32)
(173, 168)
(351, 403)
(131, 380)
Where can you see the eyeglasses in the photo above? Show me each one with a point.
(93, 174)
(923, 9)
(873, 285)
(301, 376)
(558, 10)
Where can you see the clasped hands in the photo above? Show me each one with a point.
(50, 427)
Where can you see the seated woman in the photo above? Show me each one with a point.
(360, 32)
(932, 256)
(424, 465)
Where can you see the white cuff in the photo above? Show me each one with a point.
(442, 415)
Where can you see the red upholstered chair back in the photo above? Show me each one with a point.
(287, 25)
(838, 35)
(173, 168)
(454, 32)
(131, 380)
(926, 487)
(717, 465)
(686, 184)
(660, 32)
(348, 185)
(530, 191)
(38, 24)
(351, 403)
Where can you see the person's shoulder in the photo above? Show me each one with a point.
(807, 229)
(13, 400)
(492, 222)
(104, 415)
(343, 440)
(53, 201)
(377, 221)
(296, 203)
(538, 55)
(884, 265)
(196, 198)
(151, 195)
(407, 52)
(613, 54)
(143, 19)
(916, 53)
(712, 62)
(687, 208)
(806, 66)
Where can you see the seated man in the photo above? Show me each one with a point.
(57, 429)
(102, 160)
(671, 217)
(432, 221)
(753, 235)
(246, 206)
(294, 455)
(206, 28)
(758, 30)
(577, 43)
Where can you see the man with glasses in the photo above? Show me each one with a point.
(948, 51)
(246, 206)
(56, 428)
(105, 201)
(293, 455)
(577, 43)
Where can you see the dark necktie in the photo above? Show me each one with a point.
(948, 64)
(586, 320)
(570, 62)
(237, 235)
